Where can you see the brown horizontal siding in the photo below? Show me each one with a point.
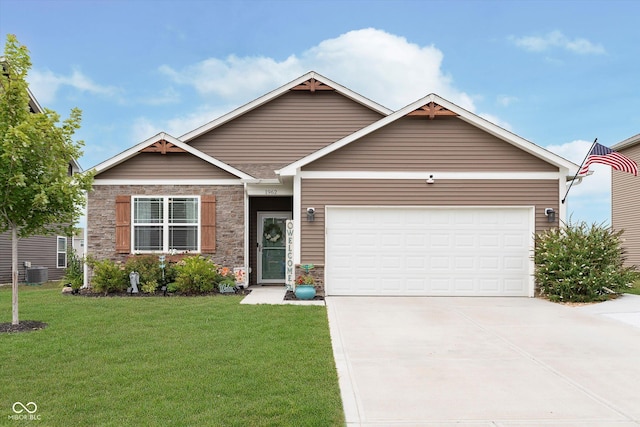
(625, 207)
(164, 166)
(39, 250)
(419, 144)
(319, 193)
(286, 129)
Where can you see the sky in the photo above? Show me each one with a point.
(557, 73)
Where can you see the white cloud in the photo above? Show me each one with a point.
(45, 85)
(381, 66)
(384, 67)
(234, 78)
(556, 39)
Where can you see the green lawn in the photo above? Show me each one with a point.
(635, 289)
(199, 361)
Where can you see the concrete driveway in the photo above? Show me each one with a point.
(483, 362)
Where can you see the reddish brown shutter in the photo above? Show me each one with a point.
(123, 224)
(208, 224)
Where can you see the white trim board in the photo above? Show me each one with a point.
(427, 175)
(167, 182)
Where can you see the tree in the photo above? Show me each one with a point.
(38, 195)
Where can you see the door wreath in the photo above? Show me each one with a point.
(273, 233)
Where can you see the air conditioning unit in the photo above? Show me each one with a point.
(36, 274)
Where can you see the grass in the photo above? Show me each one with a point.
(635, 289)
(168, 361)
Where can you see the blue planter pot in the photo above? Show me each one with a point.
(305, 291)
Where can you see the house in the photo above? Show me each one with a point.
(426, 200)
(45, 257)
(625, 201)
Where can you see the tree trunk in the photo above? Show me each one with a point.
(14, 274)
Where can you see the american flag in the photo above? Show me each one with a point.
(601, 154)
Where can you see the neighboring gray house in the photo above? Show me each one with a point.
(49, 252)
(427, 200)
(625, 201)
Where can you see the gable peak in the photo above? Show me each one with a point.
(432, 110)
(312, 85)
(162, 147)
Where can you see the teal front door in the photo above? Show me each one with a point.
(271, 246)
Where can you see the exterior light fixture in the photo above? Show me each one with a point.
(311, 214)
(430, 180)
(551, 214)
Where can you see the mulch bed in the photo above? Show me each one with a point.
(23, 326)
(90, 293)
(290, 296)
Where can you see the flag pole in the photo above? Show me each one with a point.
(581, 164)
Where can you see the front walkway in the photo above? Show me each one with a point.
(273, 295)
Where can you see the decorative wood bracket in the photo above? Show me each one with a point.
(162, 147)
(312, 85)
(431, 110)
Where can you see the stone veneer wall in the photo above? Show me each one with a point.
(101, 218)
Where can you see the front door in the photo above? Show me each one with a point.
(271, 246)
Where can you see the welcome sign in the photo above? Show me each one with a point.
(290, 268)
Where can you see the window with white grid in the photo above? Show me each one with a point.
(165, 223)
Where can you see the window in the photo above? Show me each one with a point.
(61, 252)
(161, 224)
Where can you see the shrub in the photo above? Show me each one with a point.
(581, 263)
(147, 266)
(108, 276)
(149, 287)
(196, 275)
(75, 270)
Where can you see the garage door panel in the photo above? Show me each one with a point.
(489, 264)
(428, 251)
(440, 263)
(465, 264)
(488, 241)
(462, 285)
(465, 241)
(490, 286)
(439, 240)
(414, 262)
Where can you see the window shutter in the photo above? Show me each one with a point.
(123, 224)
(208, 223)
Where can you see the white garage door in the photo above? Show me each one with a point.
(429, 251)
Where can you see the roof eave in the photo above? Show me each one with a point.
(629, 142)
